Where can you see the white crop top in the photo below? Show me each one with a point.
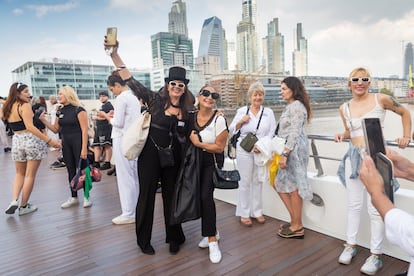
(216, 126)
(355, 124)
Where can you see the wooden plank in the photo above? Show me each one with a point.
(79, 241)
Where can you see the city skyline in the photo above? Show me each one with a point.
(340, 35)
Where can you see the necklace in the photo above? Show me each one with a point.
(176, 106)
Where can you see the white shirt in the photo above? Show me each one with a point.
(127, 108)
(399, 228)
(210, 132)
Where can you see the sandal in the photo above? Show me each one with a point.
(261, 219)
(290, 234)
(284, 225)
(246, 221)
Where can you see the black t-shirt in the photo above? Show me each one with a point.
(106, 107)
(68, 119)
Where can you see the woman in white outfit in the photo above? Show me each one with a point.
(127, 109)
(364, 105)
(260, 121)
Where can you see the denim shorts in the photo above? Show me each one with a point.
(26, 146)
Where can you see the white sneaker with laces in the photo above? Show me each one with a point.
(347, 255)
(27, 210)
(72, 201)
(214, 252)
(87, 203)
(123, 220)
(371, 265)
(12, 207)
(204, 241)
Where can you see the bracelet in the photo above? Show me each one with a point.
(121, 67)
(285, 154)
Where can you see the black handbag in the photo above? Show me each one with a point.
(232, 144)
(166, 155)
(223, 179)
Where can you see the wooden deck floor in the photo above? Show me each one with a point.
(80, 241)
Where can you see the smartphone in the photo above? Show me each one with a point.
(386, 169)
(374, 139)
(111, 36)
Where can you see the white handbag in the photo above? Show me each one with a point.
(135, 137)
(278, 144)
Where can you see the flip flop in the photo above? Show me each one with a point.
(287, 233)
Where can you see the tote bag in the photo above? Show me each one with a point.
(135, 137)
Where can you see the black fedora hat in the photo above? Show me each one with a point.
(177, 73)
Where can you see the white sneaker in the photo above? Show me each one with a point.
(87, 203)
(214, 252)
(123, 220)
(72, 201)
(204, 241)
(27, 210)
(347, 255)
(371, 265)
(12, 207)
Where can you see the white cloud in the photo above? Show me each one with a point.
(378, 46)
(42, 10)
(17, 11)
(139, 6)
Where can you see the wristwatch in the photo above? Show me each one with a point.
(285, 153)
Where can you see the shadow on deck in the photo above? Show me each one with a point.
(80, 241)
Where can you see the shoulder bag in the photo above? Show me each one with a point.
(223, 179)
(250, 139)
(135, 137)
(231, 146)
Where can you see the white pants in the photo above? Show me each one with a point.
(249, 203)
(356, 191)
(127, 178)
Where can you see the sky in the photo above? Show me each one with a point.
(341, 34)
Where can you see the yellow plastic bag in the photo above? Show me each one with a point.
(273, 169)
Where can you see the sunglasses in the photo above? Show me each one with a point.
(364, 79)
(174, 84)
(206, 93)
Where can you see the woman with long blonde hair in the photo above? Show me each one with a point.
(72, 124)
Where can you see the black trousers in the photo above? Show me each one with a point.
(71, 150)
(149, 173)
(208, 206)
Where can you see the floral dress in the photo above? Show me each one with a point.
(292, 128)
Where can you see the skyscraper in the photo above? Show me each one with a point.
(173, 48)
(210, 52)
(274, 45)
(408, 60)
(249, 11)
(169, 49)
(177, 18)
(247, 47)
(300, 53)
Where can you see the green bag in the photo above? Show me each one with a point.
(248, 142)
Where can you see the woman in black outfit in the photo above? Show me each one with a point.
(169, 123)
(72, 124)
